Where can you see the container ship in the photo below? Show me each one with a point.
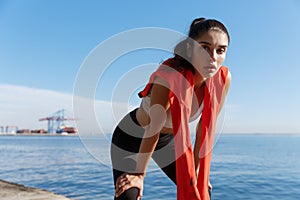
(67, 130)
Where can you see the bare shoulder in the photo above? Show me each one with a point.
(228, 81)
(161, 81)
(160, 92)
(228, 78)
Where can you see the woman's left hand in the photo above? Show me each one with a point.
(126, 181)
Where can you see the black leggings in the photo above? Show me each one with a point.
(126, 141)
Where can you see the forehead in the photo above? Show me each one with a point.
(214, 37)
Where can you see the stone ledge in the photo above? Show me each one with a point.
(13, 191)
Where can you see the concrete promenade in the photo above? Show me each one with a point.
(13, 191)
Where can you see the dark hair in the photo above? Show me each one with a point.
(198, 27)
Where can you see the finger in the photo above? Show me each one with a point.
(121, 179)
(118, 192)
(121, 186)
(123, 183)
(127, 179)
(140, 195)
(118, 180)
(122, 189)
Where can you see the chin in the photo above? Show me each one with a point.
(209, 75)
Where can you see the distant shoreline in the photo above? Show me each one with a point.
(37, 134)
(77, 135)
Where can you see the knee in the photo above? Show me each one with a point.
(130, 194)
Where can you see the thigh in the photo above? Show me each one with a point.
(164, 155)
(125, 145)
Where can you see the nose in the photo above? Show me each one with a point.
(213, 55)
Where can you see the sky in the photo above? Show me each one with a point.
(44, 44)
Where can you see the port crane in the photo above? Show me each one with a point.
(56, 121)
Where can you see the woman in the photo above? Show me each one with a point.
(191, 84)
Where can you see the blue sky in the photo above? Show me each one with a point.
(44, 43)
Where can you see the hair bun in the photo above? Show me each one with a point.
(196, 21)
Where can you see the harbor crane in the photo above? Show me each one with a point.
(56, 121)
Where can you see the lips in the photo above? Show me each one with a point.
(210, 68)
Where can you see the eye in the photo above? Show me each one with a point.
(221, 50)
(205, 47)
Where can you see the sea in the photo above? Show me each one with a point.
(244, 166)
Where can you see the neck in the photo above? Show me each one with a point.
(198, 79)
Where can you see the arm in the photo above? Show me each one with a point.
(157, 115)
(227, 86)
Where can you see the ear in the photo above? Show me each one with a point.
(189, 50)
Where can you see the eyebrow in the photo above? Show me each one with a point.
(207, 43)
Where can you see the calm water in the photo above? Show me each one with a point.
(244, 167)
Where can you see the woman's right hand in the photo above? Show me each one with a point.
(126, 181)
